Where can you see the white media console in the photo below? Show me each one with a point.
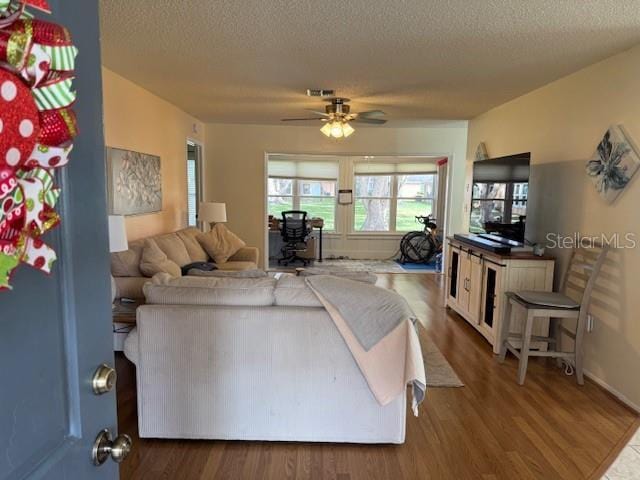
(477, 280)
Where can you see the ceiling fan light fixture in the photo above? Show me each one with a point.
(336, 130)
(347, 129)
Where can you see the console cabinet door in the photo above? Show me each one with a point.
(454, 284)
(464, 286)
(491, 292)
(475, 287)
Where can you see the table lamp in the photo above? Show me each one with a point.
(212, 213)
(117, 243)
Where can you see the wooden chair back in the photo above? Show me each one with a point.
(584, 267)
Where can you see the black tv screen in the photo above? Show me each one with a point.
(499, 196)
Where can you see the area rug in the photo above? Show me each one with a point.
(418, 267)
(371, 266)
(438, 371)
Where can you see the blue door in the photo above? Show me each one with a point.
(56, 331)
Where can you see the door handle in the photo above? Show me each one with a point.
(105, 447)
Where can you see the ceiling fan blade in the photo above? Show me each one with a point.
(322, 114)
(371, 113)
(373, 121)
(299, 119)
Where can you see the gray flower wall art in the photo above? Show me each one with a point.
(613, 164)
(135, 182)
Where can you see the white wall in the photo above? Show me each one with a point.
(235, 166)
(561, 125)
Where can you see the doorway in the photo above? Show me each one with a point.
(195, 193)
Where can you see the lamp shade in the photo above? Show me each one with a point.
(117, 234)
(211, 212)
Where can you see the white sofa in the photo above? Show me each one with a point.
(273, 368)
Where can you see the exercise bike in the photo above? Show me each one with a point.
(421, 246)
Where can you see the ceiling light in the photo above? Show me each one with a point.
(326, 129)
(347, 129)
(337, 129)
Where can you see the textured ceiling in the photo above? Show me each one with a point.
(250, 61)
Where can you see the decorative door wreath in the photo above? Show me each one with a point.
(37, 127)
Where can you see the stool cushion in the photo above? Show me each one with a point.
(547, 299)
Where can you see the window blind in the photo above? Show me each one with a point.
(303, 170)
(394, 167)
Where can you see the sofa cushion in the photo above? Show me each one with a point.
(194, 249)
(173, 247)
(130, 287)
(236, 266)
(127, 263)
(253, 273)
(155, 261)
(292, 291)
(253, 292)
(220, 243)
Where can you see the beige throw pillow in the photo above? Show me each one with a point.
(127, 263)
(220, 243)
(173, 247)
(195, 250)
(155, 261)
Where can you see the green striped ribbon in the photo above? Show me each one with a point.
(62, 58)
(54, 96)
(51, 195)
(4, 5)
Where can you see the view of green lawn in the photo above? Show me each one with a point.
(405, 216)
(325, 208)
(315, 207)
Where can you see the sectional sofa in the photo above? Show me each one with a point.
(181, 247)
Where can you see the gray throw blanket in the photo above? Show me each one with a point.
(370, 312)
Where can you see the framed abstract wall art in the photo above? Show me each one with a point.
(613, 164)
(134, 182)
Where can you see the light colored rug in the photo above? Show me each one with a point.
(371, 266)
(439, 372)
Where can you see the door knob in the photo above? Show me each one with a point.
(104, 379)
(105, 446)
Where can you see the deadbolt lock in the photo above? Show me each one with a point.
(104, 379)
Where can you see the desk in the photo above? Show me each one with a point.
(276, 243)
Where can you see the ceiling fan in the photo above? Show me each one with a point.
(337, 116)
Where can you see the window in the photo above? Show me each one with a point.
(416, 196)
(372, 203)
(388, 196)
(193, 183)
(310, 186)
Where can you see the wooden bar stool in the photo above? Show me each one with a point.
(556, 306)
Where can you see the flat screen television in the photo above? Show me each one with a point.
(499, 196)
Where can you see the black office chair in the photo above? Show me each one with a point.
(294, 234)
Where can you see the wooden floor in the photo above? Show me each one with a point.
(490, 429)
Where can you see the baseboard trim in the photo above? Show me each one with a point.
(612, 391)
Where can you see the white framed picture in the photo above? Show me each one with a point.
(134, 182)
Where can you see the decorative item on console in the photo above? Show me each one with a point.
(38, 125)
(481, 152)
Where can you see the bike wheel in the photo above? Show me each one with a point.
(417, 247)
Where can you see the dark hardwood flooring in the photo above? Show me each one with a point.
(490, 429)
